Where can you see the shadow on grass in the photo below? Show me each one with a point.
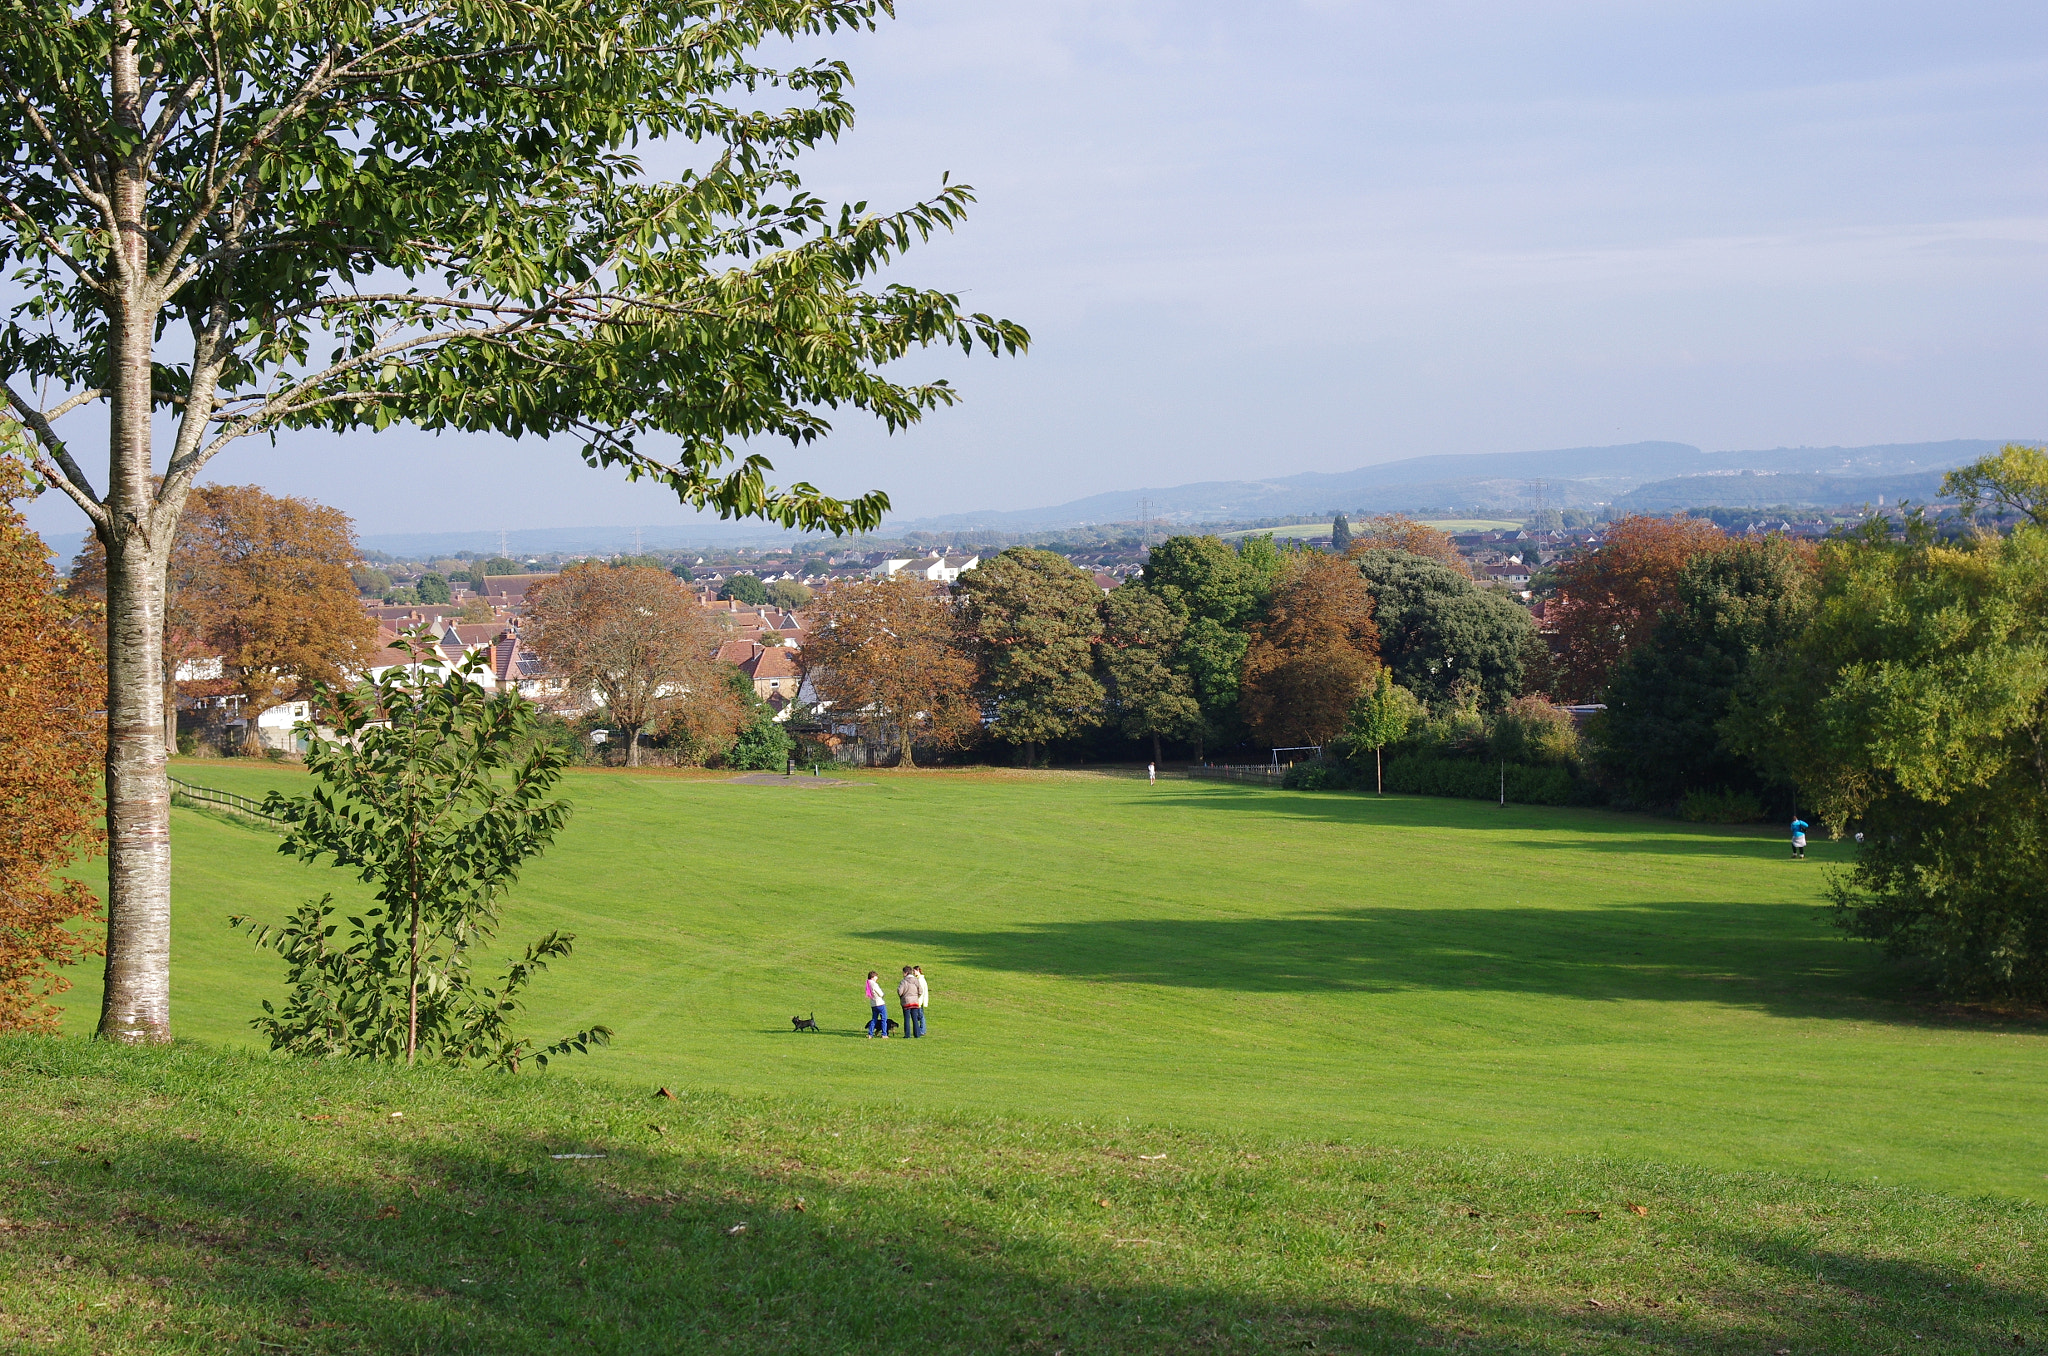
(1778, 957)
(478, 1241)
(1583, 828)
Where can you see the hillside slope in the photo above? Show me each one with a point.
(192, 1201)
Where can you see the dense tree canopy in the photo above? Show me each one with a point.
(1311, 655)
(1447, 640)
(1035, 617)
(1399, 532)
(892, 655)
(743, 588)
(1914, 707)
(1608, 599)
(234, 219)
(1148, 696)
(51, 740)
(1660, 735)
(633, 638)
(787, 593)
(1208, 581)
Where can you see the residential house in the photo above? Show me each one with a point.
(938, 567)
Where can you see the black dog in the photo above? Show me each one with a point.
(809, 1023)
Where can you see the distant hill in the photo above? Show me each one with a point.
(1510, 483)
(1766, 489)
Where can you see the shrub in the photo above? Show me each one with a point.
(1721, 807)
(1531, 730)
(1324, 774)
(1424, 774)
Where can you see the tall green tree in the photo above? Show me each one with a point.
(1208, 580)
(1149, 698)
(238, 219)
(1340, 535)
(1914, 707)
(1660, 735)
(2012, 480)
(1035, 618)
(744, 588)
(1446, 639)
(1381, 716)
(432, 588)
(435, 794)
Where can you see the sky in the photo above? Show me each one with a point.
(1255, 239)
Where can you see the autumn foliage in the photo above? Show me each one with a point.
(1399, 532)
(52, 735)
(1312, 655)
(1609, 599)
(893, 653)
(634, 637)
(261, 581)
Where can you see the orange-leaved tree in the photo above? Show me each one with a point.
(1399, 532)
(266, 582)
(892, 654)
(1610, 598)
(1312, 655)
(634, 638)
(52, 736)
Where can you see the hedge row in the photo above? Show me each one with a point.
(1471, 779)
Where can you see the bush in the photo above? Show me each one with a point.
(1324, 774)
(1423, 774)
(1531, 730)
(1721, 807)
(763, 745)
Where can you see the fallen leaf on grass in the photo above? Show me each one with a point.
(739, 1228)
(657, 1129)
(1379, 1226)
(1635, 1209)
(1151, 1158)
(1595, 1304)
(1103, 1202)
(388, 1212)
(1589, 1214)
(799, 1206)
(664, 1092)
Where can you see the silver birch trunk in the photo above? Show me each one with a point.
(136, 1004)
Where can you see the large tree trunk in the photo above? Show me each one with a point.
(909, 759)
(633, 747)
(1155, 746)
(136, 1005)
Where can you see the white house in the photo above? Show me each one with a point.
(938, 567)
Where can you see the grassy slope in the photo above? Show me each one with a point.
(1417, 972)
(187, 1201)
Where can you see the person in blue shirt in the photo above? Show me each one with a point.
(1799, 838)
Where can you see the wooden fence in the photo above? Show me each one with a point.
(226, 800)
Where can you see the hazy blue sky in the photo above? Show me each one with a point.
(1260, 238)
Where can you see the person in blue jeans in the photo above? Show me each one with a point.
(878, 1008)
(911, 992)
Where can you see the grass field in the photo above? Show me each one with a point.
(1407, 972)
(1305, 530)
(194, 1201)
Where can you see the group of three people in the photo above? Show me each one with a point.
(912, 993)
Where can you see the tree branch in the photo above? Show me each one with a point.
(57, 467)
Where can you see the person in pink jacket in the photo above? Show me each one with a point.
(878, 1007)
